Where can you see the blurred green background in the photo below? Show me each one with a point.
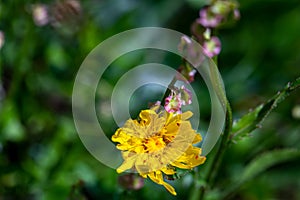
(42, 156)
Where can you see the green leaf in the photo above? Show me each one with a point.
(246, 124)
(11, 127)
(253, 119)
(267, 160)
(261, 164)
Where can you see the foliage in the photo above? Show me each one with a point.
(43, 158)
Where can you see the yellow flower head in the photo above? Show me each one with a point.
(157, 143)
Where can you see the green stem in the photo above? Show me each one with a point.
(168, 91)
(214, 168)
(223, 145)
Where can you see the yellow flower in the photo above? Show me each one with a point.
(157, 143)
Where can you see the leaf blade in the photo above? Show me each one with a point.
(251, 121)
(261, 164)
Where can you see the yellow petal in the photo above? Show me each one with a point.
(139, 149)
(145, 116)
(197, 138)
(189, 161)
(197, 160)
(153, 177)
(168, 171)
(143, 175)
(172, 128)
(123, 147)
(186, 115)
(169, 188)
(141, 164)
(158, 178)
(181, 165)
(154, 108)
(120, 136)
(169, 117)
(128, 163)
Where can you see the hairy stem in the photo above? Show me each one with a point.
(214, 168)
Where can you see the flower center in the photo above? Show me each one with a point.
(154, 143)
